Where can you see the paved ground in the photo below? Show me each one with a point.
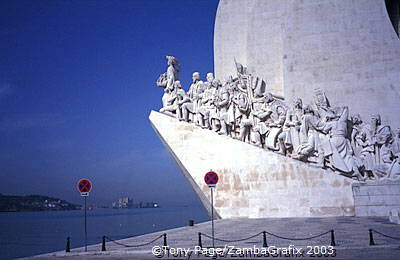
(351, 237)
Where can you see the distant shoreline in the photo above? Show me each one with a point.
(79, 209)
(14, 203)
(39, 210)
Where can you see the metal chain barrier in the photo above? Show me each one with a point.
(395, 238)
(139, 245)
(231, 241)
(304, 238)
(104, 238)
(333, 243)
(371, 236)
(264, 233)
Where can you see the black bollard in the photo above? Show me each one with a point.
(165, 239)
(103, 244)
(265, 239)
(191, 223)
(68, 246)
(200, 244)
(371, 238)
(333, 238)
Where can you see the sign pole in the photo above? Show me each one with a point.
(85, 227)
(211, 179)
(84, 187)
(212, 215)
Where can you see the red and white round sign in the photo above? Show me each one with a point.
(84, 187)
(211, 178)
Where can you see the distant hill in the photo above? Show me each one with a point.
(34, 203)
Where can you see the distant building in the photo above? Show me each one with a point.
(127, 203)
(123, 203)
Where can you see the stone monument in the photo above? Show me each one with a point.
(292, 134)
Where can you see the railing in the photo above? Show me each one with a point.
(371, 236)
(106, 238)
(263, 241)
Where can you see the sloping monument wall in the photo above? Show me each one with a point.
(253, 182)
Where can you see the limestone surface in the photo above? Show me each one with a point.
(348, 49)
(376, 198)
(254, 182)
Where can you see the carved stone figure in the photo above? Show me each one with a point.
(232, 113)
(393, 172)
(263, 114)
(338, 150)
(308, 140)
(372, 137)
(243, 117)
(356, 136)
(323, 109)
(222, 103)
(271, 115)
(379, 135)
(171, 103)
(389, 166)
(167, 80)
(289, 139)
(206, 104)
(194, 93)
(396, 141)
(275, 126)
(174, 104)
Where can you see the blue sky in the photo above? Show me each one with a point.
(77, 83)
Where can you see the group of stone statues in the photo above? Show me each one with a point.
(320, 134)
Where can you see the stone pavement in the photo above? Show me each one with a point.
(351, 237)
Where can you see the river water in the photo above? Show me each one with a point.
(31, 233)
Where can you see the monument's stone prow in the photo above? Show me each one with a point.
(254, 183)
(204, 200)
